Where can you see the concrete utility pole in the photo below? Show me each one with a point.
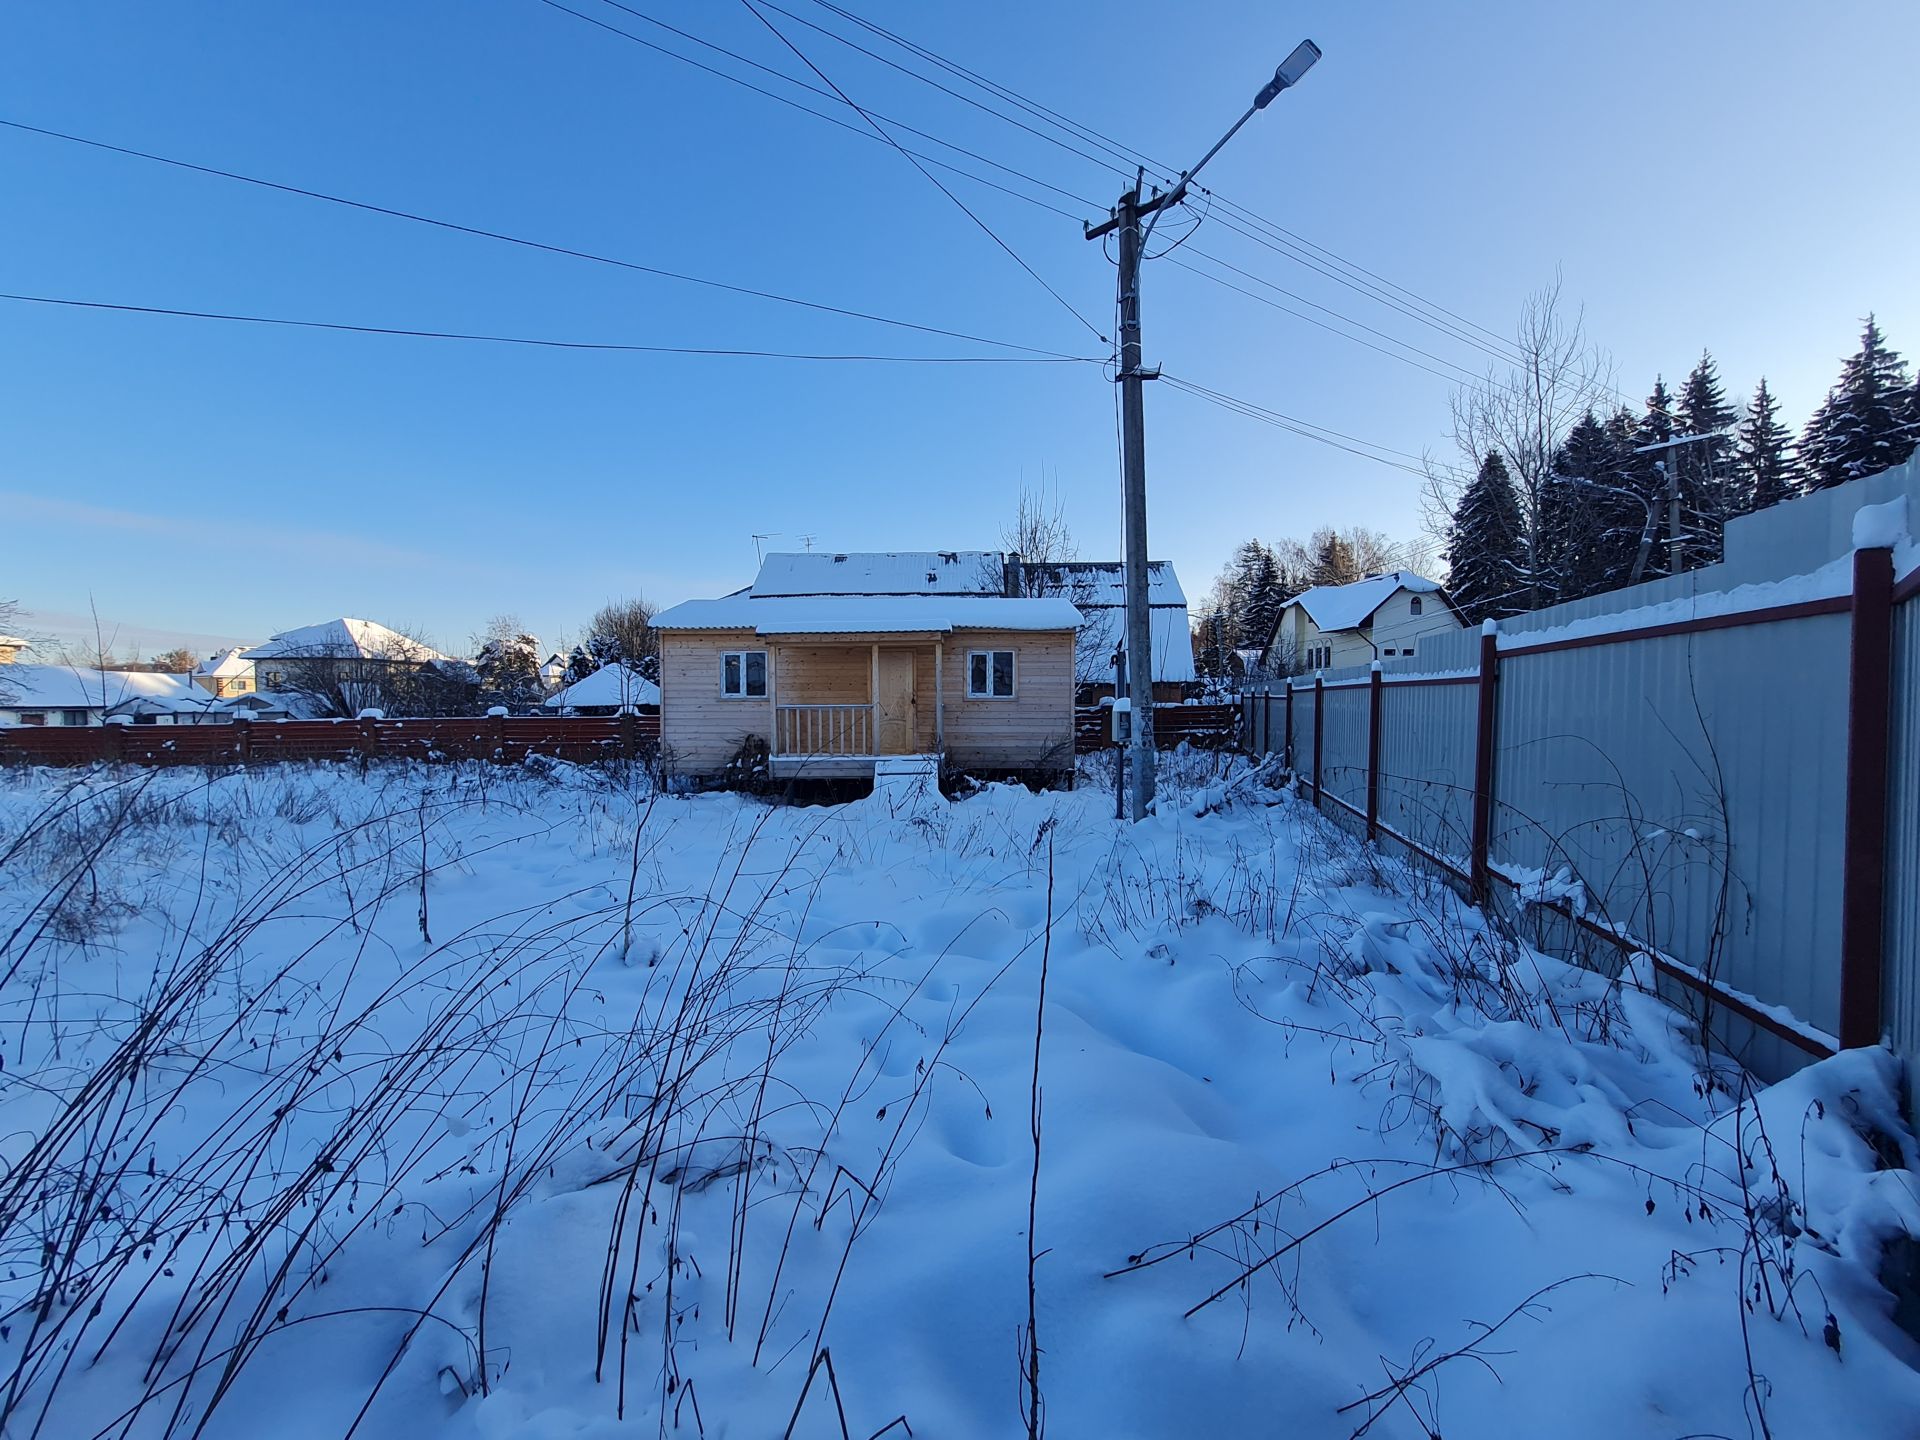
(1125, 219)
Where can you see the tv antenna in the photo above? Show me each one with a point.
(758, 557)
(807, 540)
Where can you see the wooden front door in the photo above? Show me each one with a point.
(895, 702)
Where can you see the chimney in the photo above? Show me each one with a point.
(1010, 571)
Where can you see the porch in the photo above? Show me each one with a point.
(837, 708)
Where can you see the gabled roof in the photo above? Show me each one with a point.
(886, 572)
(1096, 583)
(15, 641)
(609, 685)
(344, 638)
(225, 664)
(867, 614)
(1348, 607)
(62, 687)
(1106, 624)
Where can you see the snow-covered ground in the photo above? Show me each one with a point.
(488, 1103)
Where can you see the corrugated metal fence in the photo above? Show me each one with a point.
(1689, 768)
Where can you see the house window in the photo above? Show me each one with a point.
(1389, 652)
(990, 674)
(1413, 605)
(743, 675)
(242, 685)
(73, 717)
(276, 679)
(33, 717)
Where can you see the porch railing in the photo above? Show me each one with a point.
(823, 730)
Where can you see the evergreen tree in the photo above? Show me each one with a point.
(1486, 546)
(1592, 517)
(1763, 454)
(580, 664)
(1333, 562)
(1648, 473)
(1708, 493)
(1864, 425)
(509, 669)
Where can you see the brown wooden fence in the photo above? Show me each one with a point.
(508, 739)
(1210, 727)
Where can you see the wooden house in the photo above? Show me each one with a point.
(832, 662)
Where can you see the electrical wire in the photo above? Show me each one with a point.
(1303, 428)
(799, 84)
(732, 352)
(551, 249)
(932, 179)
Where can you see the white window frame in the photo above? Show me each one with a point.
(1013, 675)
(1413, 604)
(743, 693)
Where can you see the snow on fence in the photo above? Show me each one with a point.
(1720, 770)
(466, 737)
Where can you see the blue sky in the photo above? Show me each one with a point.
(1719, 175)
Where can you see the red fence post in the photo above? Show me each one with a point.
(1864, 868)
(629, 734)
(113, 744)
(1287, 739)
(1319, 730)
(243, 737)
(1373, 752)
(1478, 872)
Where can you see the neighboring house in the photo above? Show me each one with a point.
(1098, 589)
(10, 648)
(64, 695)
(230, 672)
(553, 671)
(610, 690)
(190, 708)
(341, 667)
(831, 661)
(1383, 617)
(256, 706)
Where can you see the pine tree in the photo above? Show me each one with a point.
(1333, 562)
(509, 668)
(1648, 475)
(580, 664)
(1592, 517)
(1486, 546)
(1763, 454)
(1708, 494)
(1864, 425)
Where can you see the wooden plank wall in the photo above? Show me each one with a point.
(509, 739)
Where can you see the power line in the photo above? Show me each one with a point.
(1303, 428)
(1277, 237)
(932, 179)
(544, 343)
(1251, 295)
(551, 249)
(1279, 247)
(799, 84)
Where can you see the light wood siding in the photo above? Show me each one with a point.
(1034, 730)
(699, 731)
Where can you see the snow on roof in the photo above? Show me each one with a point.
(864, 614)
(609, 685)
(345, 637)
(1347, 607)
(888, 572)
(62, 687)
(15, 641)
(224, 664)
(1103, 582)
(1105, 627)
